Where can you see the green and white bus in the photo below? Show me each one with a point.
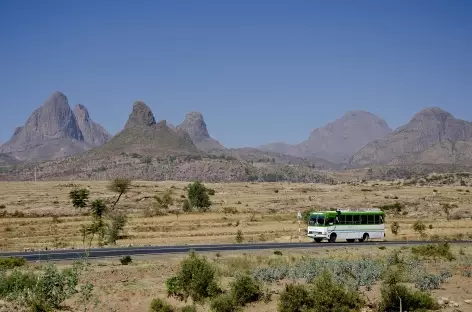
(359, 224)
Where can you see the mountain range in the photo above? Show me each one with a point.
(65, 143)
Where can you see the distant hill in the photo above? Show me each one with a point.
(52, 131)
(338, 140)
(431, 136)
(195, 126)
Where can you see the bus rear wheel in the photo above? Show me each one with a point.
(364, 238)
(332, 238)
(317, 240)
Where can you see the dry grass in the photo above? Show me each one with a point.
(264, 211)
(132, 287)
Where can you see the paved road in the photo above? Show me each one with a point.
(71, 254)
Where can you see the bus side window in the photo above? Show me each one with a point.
(363, 219)
(356, 219)
(342, 219)
(381, 219)
(330, 220)
(376, 219)
(371, 219)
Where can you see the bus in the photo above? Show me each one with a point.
(359, 224)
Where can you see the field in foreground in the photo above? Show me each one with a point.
(40, 215)
(445, 275)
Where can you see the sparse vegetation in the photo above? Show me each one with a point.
(159, 305)
(419, 227)
(126, 260)
(12, 262)
(442, 250)
(395, 228)
(239, 237)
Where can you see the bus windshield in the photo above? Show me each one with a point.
(316, 220)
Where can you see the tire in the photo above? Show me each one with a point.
(332, 238)
(317, 240)
(364, 238)
(350, 240)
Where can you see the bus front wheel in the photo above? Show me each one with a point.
(332, 238)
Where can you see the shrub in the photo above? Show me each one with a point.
(45, 291)
(159, 305)
(198, 196)
(239, 237)
(211, 192)
(118, 222)
(12, 262)
(126, 260)
(189, 309)
(245, 290)
(395, 228)
(196, 279)
(224, 303)
(186, 206)
(442, 250)
(79, 197)
(394, 296)
(429, 282)
(419, 227)
(396, 207)
(330, 296)
(277, 253)
(2, 206)
(231, 210)
(295, 298)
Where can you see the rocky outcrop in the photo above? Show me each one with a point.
(52, 131)
(94, 134)
(426, 129)
(144, 137)
(141, 115)
(338, 140)
(195, 126)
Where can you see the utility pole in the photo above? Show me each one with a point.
(34, 174)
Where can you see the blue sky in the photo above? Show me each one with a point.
(259, 71)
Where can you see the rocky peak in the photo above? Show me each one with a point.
(140, 116)
(93, 132)
(195, 126)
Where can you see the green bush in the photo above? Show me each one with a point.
(224, 303)
(329, 296)
(79, 197)
(442, 250)
(44, 291)
(189, 309)
(186, 206)
(196, 279)
(245, 290)
(278, 253)
(239, 237)
(126, 260)
(295, 298)
(12, 262)
(198, 196)
(116, 227)
(324, 295)
(159, 305)
(394, 295)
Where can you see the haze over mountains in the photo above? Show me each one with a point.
(144, 148)
(338, 140)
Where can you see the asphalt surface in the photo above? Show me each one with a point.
(96, 253)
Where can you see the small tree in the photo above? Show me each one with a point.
(117, 225)
(245, 290)
(198, 196)
(119, 186)
(79, 197)
(395, 228)
(419, 227)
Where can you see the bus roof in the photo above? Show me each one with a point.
(360, 211)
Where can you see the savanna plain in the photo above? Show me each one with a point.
(40, 215)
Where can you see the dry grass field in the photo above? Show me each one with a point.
(131, 288)
(40, 215)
